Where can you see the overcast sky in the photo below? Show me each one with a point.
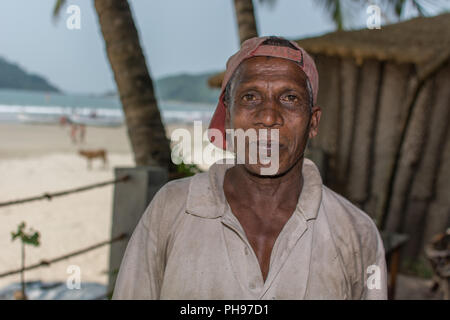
(177, 36)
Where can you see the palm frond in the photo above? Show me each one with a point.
(399, 6)
(57, 8)
(269, 3)
(334, 9)
(424, 7)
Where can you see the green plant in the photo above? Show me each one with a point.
(30, 237)
(187, 169)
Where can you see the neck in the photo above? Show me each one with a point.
(274, 191)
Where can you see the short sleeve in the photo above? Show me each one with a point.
(374, 268)
(140, 272)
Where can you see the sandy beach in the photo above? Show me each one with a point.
(41, 158)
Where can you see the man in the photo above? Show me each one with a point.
(234, 233)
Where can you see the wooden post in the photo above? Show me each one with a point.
(329, 101)
(411, 152)
(360, 162)
(393, 270)
(391, 119)
(130, 201)
(349, 81)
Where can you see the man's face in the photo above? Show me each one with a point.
(271, 93)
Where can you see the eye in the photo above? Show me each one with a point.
(248, 97)
(292, 98)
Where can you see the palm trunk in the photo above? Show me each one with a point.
(145, 128)
(245, 16)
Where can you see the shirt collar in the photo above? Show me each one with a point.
(207, 199)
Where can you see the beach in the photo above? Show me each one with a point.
(35, 159)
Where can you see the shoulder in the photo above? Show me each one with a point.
(182, 185)
(355, 237)
(347, 220)
(169, 203)
(353, 232)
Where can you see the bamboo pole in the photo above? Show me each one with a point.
(349, 80)
(438, 212)
(424, 184)
(410, 155)
(414, 88)
(391, 118)
(328, 100)
(360, 160)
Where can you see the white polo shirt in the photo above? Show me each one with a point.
(189, 245)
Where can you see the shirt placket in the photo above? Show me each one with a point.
(288, 238)
(243, 257)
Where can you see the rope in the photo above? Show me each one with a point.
(66, 256)
(50, 196)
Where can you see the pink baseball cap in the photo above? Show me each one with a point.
(252, 48)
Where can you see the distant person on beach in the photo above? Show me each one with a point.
(77, 133)
(73, 132)
(82, 132)
(74, 129)
(63, 121)
(236, 232)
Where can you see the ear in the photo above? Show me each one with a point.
(314, 122)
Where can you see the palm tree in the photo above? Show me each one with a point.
(338, 9)
(245, 17)
(334, 9)
(246, 20)
(145, 128)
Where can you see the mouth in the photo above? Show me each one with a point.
(267, 148)
(269, 144)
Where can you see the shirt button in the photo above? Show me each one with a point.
(252, 285)
(246, 251)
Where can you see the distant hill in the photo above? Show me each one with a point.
(13, 76)
(187, 88)
(183, 87)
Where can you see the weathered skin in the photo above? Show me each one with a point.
(269, 93)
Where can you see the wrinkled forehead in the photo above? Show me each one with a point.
(266, 68)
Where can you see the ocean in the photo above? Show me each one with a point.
(24, 106)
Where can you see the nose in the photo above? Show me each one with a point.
(269, 115)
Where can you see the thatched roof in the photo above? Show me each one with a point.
(417, 41)
(424, 42)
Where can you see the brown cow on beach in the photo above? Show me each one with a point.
(93, 154)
